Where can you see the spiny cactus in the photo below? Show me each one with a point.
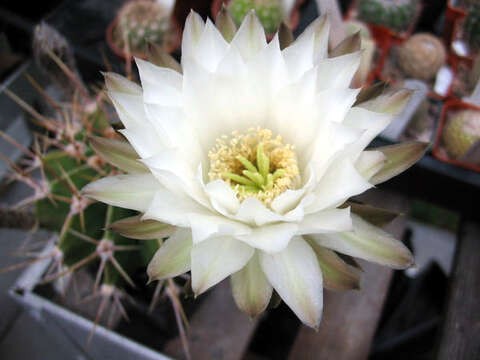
(141, 22)
(78, 145)
(270, 12)
(393, 14)
(472, 26)
(421, 56)
(461, 132)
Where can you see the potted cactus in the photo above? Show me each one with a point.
(458, 135)
(140, 22)
(422, 57)
(271, 13)
(390, 20)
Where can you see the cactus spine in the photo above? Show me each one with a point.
(78, 145)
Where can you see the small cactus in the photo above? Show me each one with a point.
(461, 132)
(393, 14)
(142, 22)
(421, 56)
(270, 12)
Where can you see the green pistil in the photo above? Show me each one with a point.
(256, 178)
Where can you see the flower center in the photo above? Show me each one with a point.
(255, 164)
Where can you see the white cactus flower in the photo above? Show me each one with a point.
(249, 156)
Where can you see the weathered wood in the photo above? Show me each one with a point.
(350, 318)
(461, 331)
(218, 330)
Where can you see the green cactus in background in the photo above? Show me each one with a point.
(461, 132)
(142, 22)
(269, 12)
(472, 26)
(393, 14)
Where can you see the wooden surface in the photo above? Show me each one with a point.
(218, 330)
(350, 318)
(461, 332)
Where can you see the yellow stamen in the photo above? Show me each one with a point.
(255, 164)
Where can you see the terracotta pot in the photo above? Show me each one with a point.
(176, 28)
(293, 19)
(452, 16)
(438, 150)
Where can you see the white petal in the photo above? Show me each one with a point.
(205, 226)
(215, 259)
(173, 257)
(327, 221)
(134, 192)
(250, 288)
(119, 83)
(295, 274)
(369, 163)
(183, 211)
(372, 122)
(321, 29)
(270, 238)
(192, 33)
(129, 108)
(336, 103)
(173, 163)
(144, 139)
(287, 200)
(340, 182)
(252, 211)
(269, 70)
(160, 85)
(338, 72)
(173, 209)
(368, 242)
(250, 37)
(222, 196)
(299, 56)
(211, 47)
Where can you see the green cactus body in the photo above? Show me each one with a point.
(421, 56)
(65, 174)
(461, 132)
(472, 26)
(393, 14)
(269, 12)
(142, 22)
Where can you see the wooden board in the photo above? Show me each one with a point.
(350, 318)
(218, 330)
(461, 331)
